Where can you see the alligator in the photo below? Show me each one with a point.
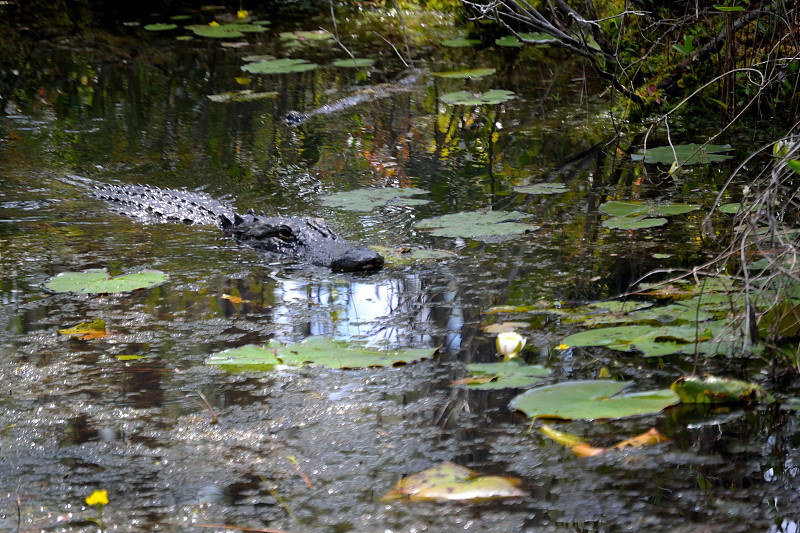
(305, 239)
(296, 118)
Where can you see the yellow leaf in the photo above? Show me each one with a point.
(87, 330)
(645, 439)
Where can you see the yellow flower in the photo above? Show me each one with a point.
(241, 14)
(98, 497)
(562, 347)
(213, 23)
(509, 344)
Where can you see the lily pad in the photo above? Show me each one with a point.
(495, 96)
(451, 482)
(224, 31)
(98, 281)
(466, 74)
(512, 41)
(687, 154)
(711, 389)
(503, 375)
(317, 351)
(279, 66)
(591, 400)
(731, 208)
(640, 222)
(460, 43)
(241, 96)
(313, 35)
(542, 188)
(478, 225)
(634, 215)
(161, 26)
(87, 330)
(410, 256)
(248, 357)
(358, 62)
(369, 199)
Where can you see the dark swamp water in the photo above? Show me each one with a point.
(132, 107)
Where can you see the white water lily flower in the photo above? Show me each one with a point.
(509, 344)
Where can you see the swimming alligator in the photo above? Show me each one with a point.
(384, 90)
(303, 238)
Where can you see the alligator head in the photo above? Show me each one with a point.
(307, 239)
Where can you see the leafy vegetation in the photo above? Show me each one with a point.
(99, 281)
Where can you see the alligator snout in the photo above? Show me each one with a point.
(358, 260)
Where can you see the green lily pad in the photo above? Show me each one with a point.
(731, 208)
(625, 209)
(503, 375)
(633, 215)
(477, 225)
(369, 199)
(495, 96)
(451, 482)
(410, 256)
(180, 17)
(687, 154)
(313, 36)
(460, 43)
(161, 26)
(512, 41)
(640, 222)
(279, 66)
(542, 188)
(466, 74)
(317, 351)
(248, 357)
(98, 281)
(224, 31)
(591, 400)
(358, 62)
(711, 389)
(241, 96)
(261, 23)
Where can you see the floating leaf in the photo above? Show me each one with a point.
(317, 351)
(495, 96)
(542, 188)
(87, 330)
(161, 26)
(312, 36)
(222, 31)
(357, 62)
(711, 389)
(731, 209)
(451, 482)
(326, 352)
(466, 74)
(98, 281)
(460, 43)
(512, 41)
(477, 225)
(248, 357)
(582, 448)
(591, 400)
(279, 66)
(409, 256)
(687, 154)
(632, 215)
(627, 223)
(505, 375)
(241, 96)
(504, 327)
(261, 23)
(369, 199)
